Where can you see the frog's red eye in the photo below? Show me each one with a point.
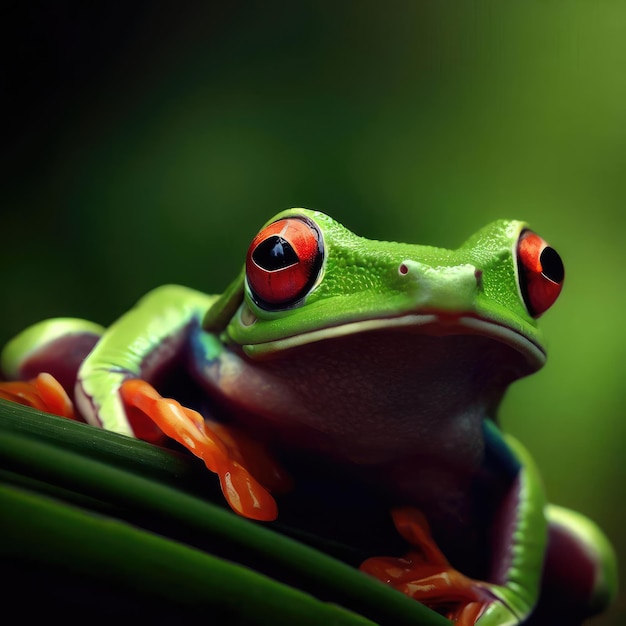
(541, 272)
(284, 261)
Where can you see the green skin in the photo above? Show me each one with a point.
(442, 332)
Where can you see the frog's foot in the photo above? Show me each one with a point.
(245, 470)
(425, 575)
(44, 392)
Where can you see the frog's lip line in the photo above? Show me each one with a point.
(478, 325)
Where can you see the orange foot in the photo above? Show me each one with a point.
(426, 575)
(44, 393)
(246, 471)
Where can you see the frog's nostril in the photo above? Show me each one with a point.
(478, 275)
(403, 269)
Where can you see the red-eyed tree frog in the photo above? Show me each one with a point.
(383, 362)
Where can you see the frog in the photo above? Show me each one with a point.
(381, 361)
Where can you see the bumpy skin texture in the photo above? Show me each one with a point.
(353, 363)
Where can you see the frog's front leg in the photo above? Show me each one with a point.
(110, 371)
(236, 459)
(425, 574)
(144, 346)
(147, 342)
(518, 549)
(547, 562)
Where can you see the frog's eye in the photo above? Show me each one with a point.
(541, 272)
(284, 261)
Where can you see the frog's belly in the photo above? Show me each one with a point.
(374, 397)
(404, 412)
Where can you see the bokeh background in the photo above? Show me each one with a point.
(146, 142)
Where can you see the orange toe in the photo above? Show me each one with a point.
(43, 392)
(246, 491)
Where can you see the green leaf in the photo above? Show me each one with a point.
(101, 520)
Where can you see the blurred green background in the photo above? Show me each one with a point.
(147, 143)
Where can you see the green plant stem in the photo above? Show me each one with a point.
(136, 493)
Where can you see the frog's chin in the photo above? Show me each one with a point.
(428, 324)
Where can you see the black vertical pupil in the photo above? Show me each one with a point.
(274, 253)
(551, 265)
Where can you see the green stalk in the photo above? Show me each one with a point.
(161, 572)
(134, 481)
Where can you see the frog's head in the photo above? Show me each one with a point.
(309, 279)
(374, 350)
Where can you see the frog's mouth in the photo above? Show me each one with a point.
(422, 323)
